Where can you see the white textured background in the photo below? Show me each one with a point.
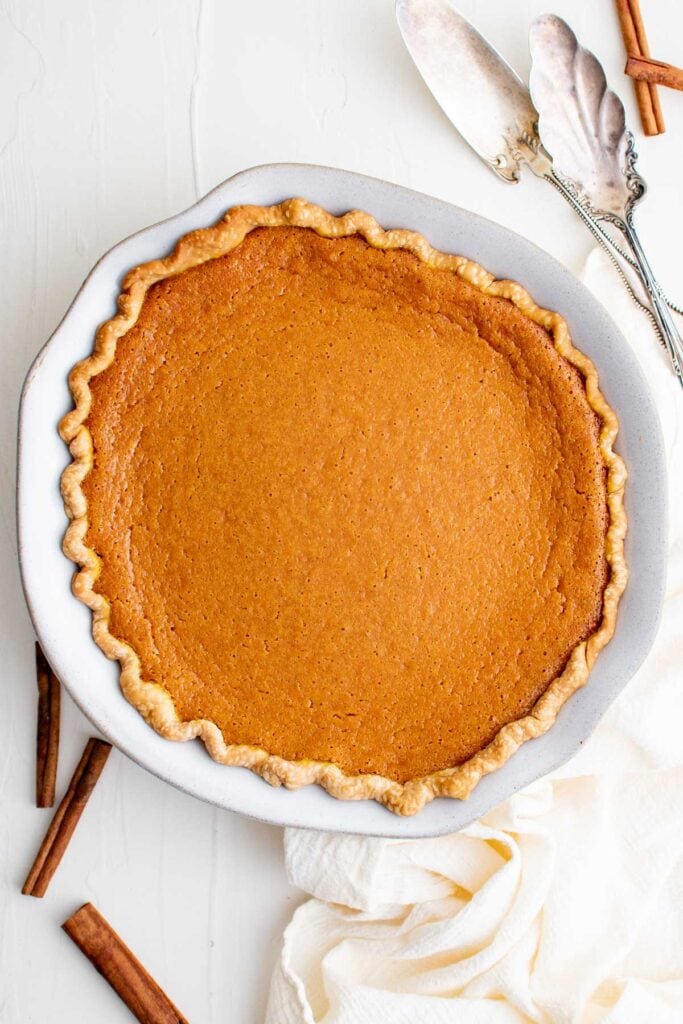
(115, 114)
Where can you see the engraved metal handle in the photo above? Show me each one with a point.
(612, 249)
(660, 309)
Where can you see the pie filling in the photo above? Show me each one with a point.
(345, 503)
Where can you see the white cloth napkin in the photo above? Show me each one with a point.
(565, 904)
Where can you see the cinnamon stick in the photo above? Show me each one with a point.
(644, 69)
(107, 952)
(66, 817)
(47, 746)
(635, 41)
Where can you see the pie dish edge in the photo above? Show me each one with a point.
(151, 699)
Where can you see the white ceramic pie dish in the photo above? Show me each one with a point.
(63, 624)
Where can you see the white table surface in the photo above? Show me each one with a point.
(115, 114)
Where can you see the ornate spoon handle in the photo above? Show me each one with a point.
(611, 248)
(658, 310)
(659, 307)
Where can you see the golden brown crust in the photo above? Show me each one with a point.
(151, 699)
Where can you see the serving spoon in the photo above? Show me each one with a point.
(573, 116)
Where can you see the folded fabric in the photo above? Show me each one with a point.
(564, 904)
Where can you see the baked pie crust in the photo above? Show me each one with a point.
(151, 698)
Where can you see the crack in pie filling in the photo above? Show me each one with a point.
(344, 506)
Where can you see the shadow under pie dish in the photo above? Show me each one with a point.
(344, 506)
